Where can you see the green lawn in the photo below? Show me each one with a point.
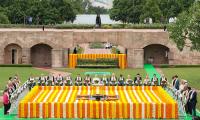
(23, 73)
(117, 71)
(192, 75)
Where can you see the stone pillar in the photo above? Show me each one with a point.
(57, 57)
(139, 58)
(130, 58)
(1, 56)
(66, 57)
(26, 56)
(135, 58)
(171, 58)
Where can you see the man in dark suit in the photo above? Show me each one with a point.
(191, 101)
(78, 80)
(87, 80)
(163, 81)
(154, 80)
(121, 80)
(175, 82)
(138, 79)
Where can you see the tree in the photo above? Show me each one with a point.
(187, 26)
(172, 8)
(151, 10)
(16, 13)
(134, 10)
(41, 11)
(194, 26)
(126, 11)
(3, 19)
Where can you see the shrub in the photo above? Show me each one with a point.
(74, 26)
(176, 66)
(97, 66)
(88, 26)
(115, 50)
(16, 65)
(3, 19)
(24, 26)
(80, 50)
(98, 61)
(96, 45)
(105, 26)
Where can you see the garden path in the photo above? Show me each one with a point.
(55, 72)
(87, 50)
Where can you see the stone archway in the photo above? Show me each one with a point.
(156, 54)
(13, 54)
(41, 55)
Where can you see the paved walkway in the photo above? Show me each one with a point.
(159, 71)
(55, 72)
(87, 50)
(1, 99)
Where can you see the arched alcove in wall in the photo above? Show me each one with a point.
(156, 54)
(13, 54)
(41, 55)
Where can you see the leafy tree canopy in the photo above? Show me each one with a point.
(186, 27)
(135, 11)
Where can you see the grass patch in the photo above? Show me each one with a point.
(190, 74)
(117, 71)
(23, 72)
(96, 45)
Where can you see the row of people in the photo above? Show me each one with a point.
(186, 94)
(87, 81)
(12, 85)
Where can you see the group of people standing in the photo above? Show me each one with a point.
(180, 88)
(187, 95)
(12, 85)
(112, 80)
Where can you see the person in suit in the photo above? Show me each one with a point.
(87, 80)
(113, 80)
(121, 80)
(147, 81)
(175, 82)
(154, 80)
(96, 81)
(129, 81)
(138, 79)
(68, 81)
(42, 80)
(163, 81)
(59, 80)
(191, 101)
(50, 80)
(31, 82)
(104, 80)
(78, 80)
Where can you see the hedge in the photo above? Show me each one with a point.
(96, 45)
(16, 65)
(176, 66)
(97, 66)
(98, 61)
(24, 26)
(88, 26)
(115, 50)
